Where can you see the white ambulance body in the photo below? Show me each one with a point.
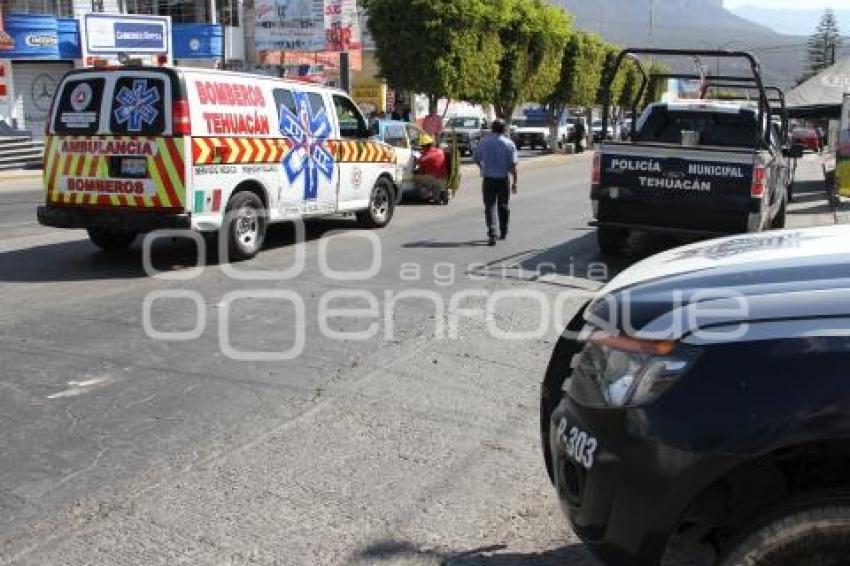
(131, 150)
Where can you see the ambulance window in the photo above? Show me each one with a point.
(351, 123)
(138, 106)
(283, 98)
(78, 111)
(394, 135)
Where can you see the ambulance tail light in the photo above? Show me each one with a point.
(596, 176)
(180, 118)
(759, 182)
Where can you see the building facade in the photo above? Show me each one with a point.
(41, 40)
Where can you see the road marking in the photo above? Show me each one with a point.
(80, 387)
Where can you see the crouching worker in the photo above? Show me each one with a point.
(432, 172)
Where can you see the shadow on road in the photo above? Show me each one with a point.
(573, 555)
(82, 261)
(445, 245)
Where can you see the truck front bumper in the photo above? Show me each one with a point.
(112, 218)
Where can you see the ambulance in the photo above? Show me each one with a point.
(131, 150)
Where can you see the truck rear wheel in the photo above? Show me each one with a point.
(246, 226)
(612, 241)
(779, 220)
(381, 206)
(111, 240)
(813, 534)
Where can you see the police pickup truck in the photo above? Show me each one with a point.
(693, 168)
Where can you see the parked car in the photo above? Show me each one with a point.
(530, 132)
(807, 137)
(404, 138)
(469, 131)
(701, 399)
(596, 128)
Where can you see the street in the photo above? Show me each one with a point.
(418, 444)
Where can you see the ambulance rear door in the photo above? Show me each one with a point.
(116, 138)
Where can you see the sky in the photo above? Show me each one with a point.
(790, 4)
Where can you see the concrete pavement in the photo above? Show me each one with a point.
(418, 445)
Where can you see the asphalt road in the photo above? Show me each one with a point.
(416, 445)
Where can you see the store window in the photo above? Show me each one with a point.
(181, 11)
(61, 8)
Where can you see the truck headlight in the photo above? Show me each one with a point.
(619, 371)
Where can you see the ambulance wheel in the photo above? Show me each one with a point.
(381, 206)
(111, 241)
(246, 228)
(612, 241)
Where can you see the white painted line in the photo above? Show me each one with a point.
(80, 387)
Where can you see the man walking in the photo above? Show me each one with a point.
(496, 157)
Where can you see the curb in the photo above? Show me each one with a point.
(17, 174)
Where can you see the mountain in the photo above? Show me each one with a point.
(695, 24)
(794, 22)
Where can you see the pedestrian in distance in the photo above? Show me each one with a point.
(496, 157)
(581, 134)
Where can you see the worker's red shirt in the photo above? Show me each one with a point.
(433, 162)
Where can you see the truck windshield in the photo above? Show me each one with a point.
(466, 123)
(723, 129)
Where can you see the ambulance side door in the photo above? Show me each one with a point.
(310, 176)
(356, 178)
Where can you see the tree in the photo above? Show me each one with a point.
(532, 42)
(615, 83)
(581, 72)
(823, 45)
(656, 87)
(442, 48)
(631, 85)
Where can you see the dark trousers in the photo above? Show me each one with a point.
(497, 196)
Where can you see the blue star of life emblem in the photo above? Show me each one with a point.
(137, 105)
(308, 131)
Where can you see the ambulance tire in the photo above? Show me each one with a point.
(381, 206)
(246, 227)
(111, 241)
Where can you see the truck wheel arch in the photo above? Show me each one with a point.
(725, 506)
(253, 186)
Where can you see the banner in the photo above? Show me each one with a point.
(289, 25)
(342, 25)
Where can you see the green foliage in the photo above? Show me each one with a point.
(823, 45)
(656, 87)
(532, 41)
(618, 81)
(440, 48)
(582, 63)
(631, 84)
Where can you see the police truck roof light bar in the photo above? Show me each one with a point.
(635, 53)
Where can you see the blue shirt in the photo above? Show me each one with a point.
(496, 155)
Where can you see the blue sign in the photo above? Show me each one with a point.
(197, 41)
(131, 35)
(33, 37)
(69, 38)
(309, 132)
(110, 34)
(137, 105)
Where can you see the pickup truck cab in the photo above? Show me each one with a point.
(135, 149)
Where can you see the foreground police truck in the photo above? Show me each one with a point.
(693, 168)
(133, 149)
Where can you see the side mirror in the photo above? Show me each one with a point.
(795, 151)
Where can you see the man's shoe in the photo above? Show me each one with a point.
(491, 241)
(504, 236)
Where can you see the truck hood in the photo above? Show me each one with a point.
(792, 264)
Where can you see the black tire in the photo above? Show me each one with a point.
(111, 240)
(398, 193)
(778, 221)
(245, 228)
(381, 206)
(813, 532)
(445, 197)
(611, 241)
(790, 191)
